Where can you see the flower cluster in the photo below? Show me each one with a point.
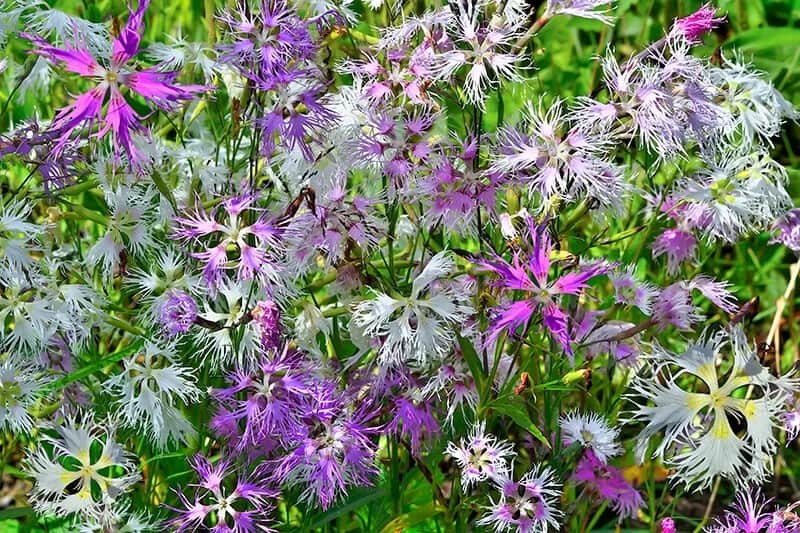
(367, 263)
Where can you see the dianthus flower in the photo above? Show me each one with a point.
(121, 120)
(531, 276)
(525, 506)
(699, 441)
(608, 483)
(224, 500)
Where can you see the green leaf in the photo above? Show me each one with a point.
(16, 512)
(407, 520)
(472, 359)
(359, 500)
(90, 369)
(765, 38)
(514, 407)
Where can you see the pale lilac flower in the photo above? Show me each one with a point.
(678, 245)
(483, 52)
(121, 120)
(556, 159)
(525, 506)
(177, 312)
(256, 237)
(481, 457)
(225, 499)
(787, 230)
(630, 291)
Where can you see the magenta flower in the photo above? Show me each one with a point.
(668, 525)
(531, 276)
(698, 23)
(609, 484)
(157, 87)
(752, 513)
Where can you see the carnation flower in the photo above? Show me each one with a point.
(81, 470)
(699, 441)
(580, 8)
(678, 245)
(608, 483)
(150, 389)
(787, 230)
(224, 499)
(694, 26)
(176, 312)
(531, 276)
(419, 326)
(20, 386)
(630, 291)
(525, 506)
(257, 244)
(481, 457)
(333, 452)
(752, 513)
(121, 120)
(593, 433)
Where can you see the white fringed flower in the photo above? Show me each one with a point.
(149, 391)
(419, 326)
(20, 387)
(481, 457)
(81, 470)
(592, 432)
(699, 441)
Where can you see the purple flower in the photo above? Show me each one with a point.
(176, 312)
(121, 120)
(678, 245)
(413, 420)
(531, 276)
(668, 525)
(334, 451)
(224, 501)
(787, 230)
(267, 403)
(750, 514)
(267, 317)
(608, 483)
(702, 21)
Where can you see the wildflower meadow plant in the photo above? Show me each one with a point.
(478, 265)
